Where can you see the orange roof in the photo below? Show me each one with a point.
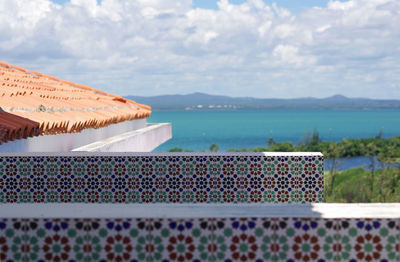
(32, 103)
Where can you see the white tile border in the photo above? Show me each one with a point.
(323, 210)
(80, 153)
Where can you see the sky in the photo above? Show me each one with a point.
(268, 49)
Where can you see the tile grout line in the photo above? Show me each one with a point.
(88, 232)
(274, 239)
(336, 239)
(149, 239)
(398, 237)
(25, 235)
(213, 244)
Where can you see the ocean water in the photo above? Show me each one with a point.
(197, 130)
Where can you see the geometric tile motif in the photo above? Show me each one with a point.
(369, 240)
(162, 179)
(181, 240)
(243, 239)
(11, 240)
(200, 239)
(53, 239)
(121, 240)
(306, 239)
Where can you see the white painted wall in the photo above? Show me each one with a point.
(145, 139)
(78, 210)
(69, 141)
(167, 154)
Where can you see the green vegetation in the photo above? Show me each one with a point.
(377, 183)
(345, 148)
(178, 149)
(377, 147)
(213, 148)
(354, 186)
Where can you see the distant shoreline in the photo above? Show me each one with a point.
(289, 109)
(379, 147)
(201, 101)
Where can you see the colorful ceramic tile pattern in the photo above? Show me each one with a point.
(200, 239)
(162, 178)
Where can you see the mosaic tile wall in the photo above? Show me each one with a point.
(162, 178)
(218, 239)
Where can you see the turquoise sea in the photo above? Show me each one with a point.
(197, 130)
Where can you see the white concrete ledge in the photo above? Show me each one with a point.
(68, 141)
(144, 139)
(85, 153)
(322, 210)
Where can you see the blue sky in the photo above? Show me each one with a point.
(258, 48)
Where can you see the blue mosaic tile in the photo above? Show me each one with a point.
(161, 179)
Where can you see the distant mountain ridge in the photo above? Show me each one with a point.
(202, 101)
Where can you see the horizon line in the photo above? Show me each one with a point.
(277, 98)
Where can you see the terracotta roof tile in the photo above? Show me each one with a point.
(32, 103)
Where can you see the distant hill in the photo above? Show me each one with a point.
(201, 101)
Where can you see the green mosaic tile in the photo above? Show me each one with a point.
(121, 240)
(182, 240)
(303, 239)
(161, 179)
(369, 240)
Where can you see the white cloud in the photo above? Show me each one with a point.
(284, 31)
(338, 5)
(323, 28)
(288, 54)
(281, 12)
(148, 47)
